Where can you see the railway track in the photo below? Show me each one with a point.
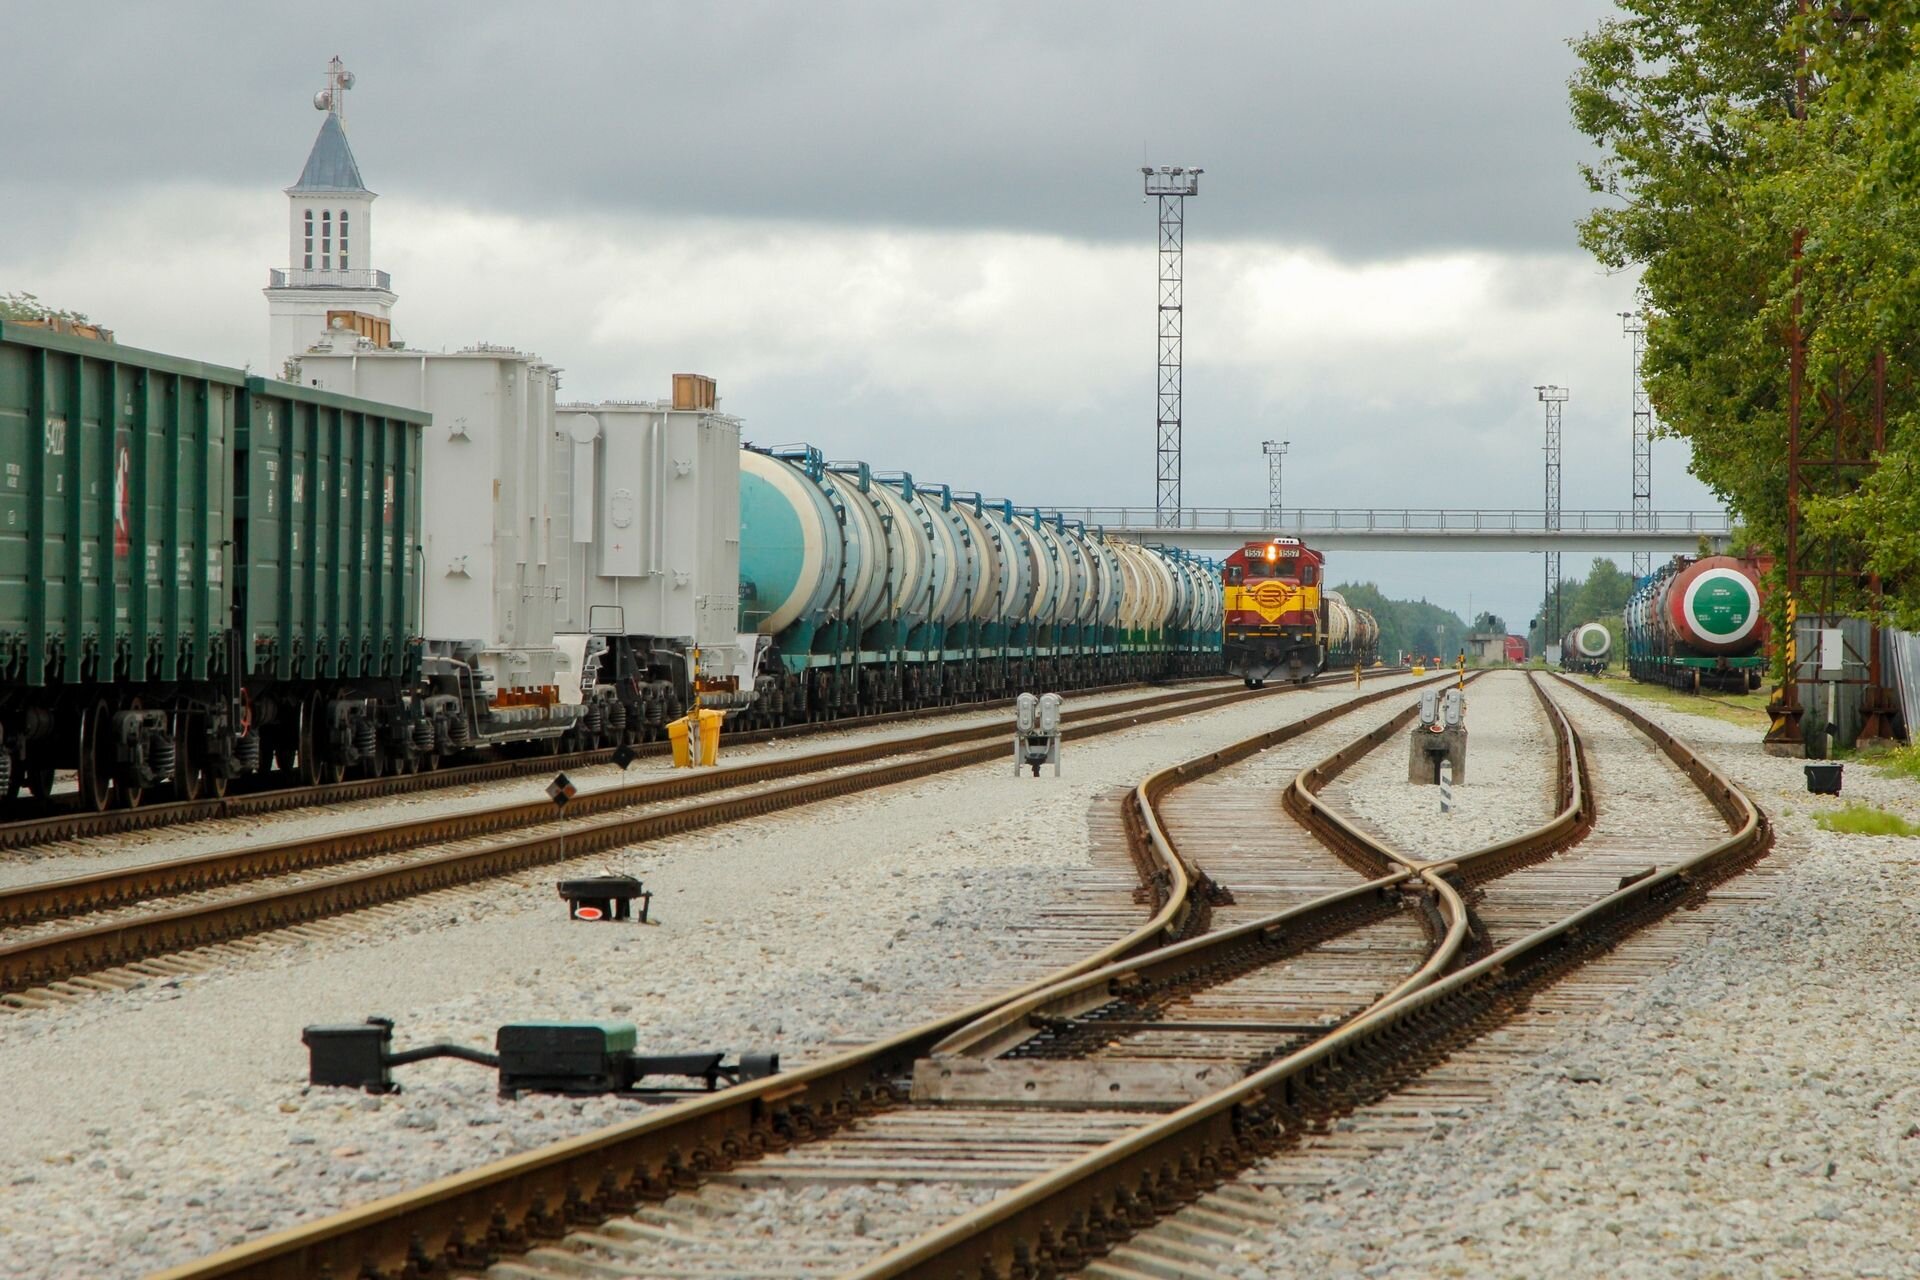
(1389, 976)
(46, 958)
(60, 822)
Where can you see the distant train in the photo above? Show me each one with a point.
(1280, 619)
(1586, 648)
(1697, 623)
(1516, 649)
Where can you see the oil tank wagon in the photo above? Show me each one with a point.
(1697, 623)
(865, 591)
(1586, 648)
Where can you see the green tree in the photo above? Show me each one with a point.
(1711, 170)
(1413, 626)
(25, 306)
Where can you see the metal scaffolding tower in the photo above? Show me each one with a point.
(1276, 451)
(1553, 397)
(1635, 327)
(1173, 184)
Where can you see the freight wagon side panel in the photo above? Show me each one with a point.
(114, 502)
(330, 519)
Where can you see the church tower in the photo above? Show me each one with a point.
(329, 289)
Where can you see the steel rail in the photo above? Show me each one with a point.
(1062, 1219)
(1286, 933)
(39, 961)
(78, 824)
(466, 1221)
(77, 895)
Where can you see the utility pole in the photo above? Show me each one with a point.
(1276, 451)
(1634, 326)
(1552, 397)
(1173, 184)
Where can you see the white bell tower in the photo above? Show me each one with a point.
(329, 291)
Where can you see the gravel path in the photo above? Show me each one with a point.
(1509, 786)
(152, 1126)
(133, 848)
(1752, 1111)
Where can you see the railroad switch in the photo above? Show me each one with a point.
(605, 898)
(1036, 733)
(531, 1057)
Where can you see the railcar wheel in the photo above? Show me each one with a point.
(96, 759)
(187, 776)
(312, 769)
(39, 780)
(213, 782)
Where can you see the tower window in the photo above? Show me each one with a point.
(309, 249)
(326, 240)
(343, 239)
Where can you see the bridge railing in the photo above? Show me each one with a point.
(1311, 520)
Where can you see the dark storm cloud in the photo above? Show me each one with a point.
(1373, 129)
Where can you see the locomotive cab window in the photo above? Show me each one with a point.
(1307, 575)
(1233, 573)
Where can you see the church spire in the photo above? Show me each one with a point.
(329, 291)
(330, 165)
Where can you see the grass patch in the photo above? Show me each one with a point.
(1901, 762)
(1749, 710)
(1864, 820)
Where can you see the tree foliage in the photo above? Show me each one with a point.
(1411, 626)
(1598, 597)
(1710, 169)
(25, 306)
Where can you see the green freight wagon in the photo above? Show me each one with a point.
(199, 572)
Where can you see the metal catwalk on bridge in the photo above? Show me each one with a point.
(1214, 529)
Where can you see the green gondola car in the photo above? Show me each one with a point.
(201, 572)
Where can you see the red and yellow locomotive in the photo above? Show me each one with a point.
(1275, 622)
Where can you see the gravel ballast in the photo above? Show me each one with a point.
(1509, 784)
(153, 1126)
(1754, 1110)
(60, 859)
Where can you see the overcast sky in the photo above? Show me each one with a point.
(911, 233)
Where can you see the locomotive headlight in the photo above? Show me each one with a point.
(1273, 553)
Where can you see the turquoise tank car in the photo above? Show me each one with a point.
(198, 570)
(867, 591)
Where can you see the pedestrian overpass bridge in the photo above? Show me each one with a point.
(1222, 529)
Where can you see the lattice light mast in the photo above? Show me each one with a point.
(1552, 397)
(1172, 184)
(1276, 451)
(1634, 326)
